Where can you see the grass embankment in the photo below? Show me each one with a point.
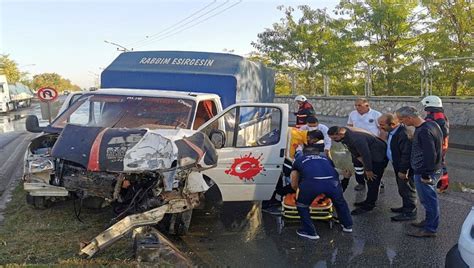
(52, 236)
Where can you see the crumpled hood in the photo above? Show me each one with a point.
(132, 150)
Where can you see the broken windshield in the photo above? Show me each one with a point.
(128, 112)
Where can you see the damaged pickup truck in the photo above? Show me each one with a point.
(152, 151)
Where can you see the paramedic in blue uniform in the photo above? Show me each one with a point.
(314, 174)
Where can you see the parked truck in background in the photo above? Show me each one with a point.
(166, 127)
(13, 96)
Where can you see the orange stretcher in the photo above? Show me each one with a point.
(320, 209)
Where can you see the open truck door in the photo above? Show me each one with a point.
(250, 139)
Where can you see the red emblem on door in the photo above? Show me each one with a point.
(246, 167)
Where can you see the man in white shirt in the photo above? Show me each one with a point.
(312, 123)
(366, 118)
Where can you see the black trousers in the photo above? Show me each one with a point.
(359, 171)
(407, 190)
(373, 186)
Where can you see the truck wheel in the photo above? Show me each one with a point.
(38, 202)
(176, 224)
(182, 222)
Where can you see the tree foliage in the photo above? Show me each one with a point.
(53, 80)
(10, 69)
(384, 39)
(450, 35)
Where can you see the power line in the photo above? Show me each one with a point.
(197, 23)
(181, 26)
(172, 26)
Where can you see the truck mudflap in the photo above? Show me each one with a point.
(129, 223)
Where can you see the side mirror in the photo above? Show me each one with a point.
(32, 124)
(217, 138)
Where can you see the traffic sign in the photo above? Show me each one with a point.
(47, 94)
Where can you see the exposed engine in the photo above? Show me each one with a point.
(138, 172)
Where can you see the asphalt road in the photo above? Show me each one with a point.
(239, 234)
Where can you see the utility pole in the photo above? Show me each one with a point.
(368, 81)
(119, 47)
(426, 78)
(326, 85)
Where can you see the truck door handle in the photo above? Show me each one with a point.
(282, 152)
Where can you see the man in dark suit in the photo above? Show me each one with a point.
(399, 152)
(371, 152)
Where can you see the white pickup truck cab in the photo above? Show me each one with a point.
(249, 160)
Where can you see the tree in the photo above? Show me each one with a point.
(53, 80)
(384, 30)
(449, 34)
(312, 46)
(9, 68)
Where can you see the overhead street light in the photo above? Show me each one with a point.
(119, 47)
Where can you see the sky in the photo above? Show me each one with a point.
(68, 37)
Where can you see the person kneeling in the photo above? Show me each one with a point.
(313, 174)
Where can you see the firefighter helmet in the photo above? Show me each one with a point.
(432, 101)
(300, 98)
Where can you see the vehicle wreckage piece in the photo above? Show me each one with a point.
(127, 224)
(152, 246)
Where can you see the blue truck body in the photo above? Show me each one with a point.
(233, 78)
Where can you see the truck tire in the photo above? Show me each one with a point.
(38, 202)
(176, 224)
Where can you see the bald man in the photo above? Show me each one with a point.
(399, 152)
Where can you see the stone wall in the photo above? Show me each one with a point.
(460, 112)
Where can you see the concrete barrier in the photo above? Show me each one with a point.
(334, 111)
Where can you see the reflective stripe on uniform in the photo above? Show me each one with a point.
(323, 178)
(359, 170)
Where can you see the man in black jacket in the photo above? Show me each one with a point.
(426, 161)
(399, 152)
(371, 152)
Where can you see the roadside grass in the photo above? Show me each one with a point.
(52, 236)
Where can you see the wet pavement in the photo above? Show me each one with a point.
(238, 234)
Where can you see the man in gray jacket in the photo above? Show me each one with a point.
(426, 161)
